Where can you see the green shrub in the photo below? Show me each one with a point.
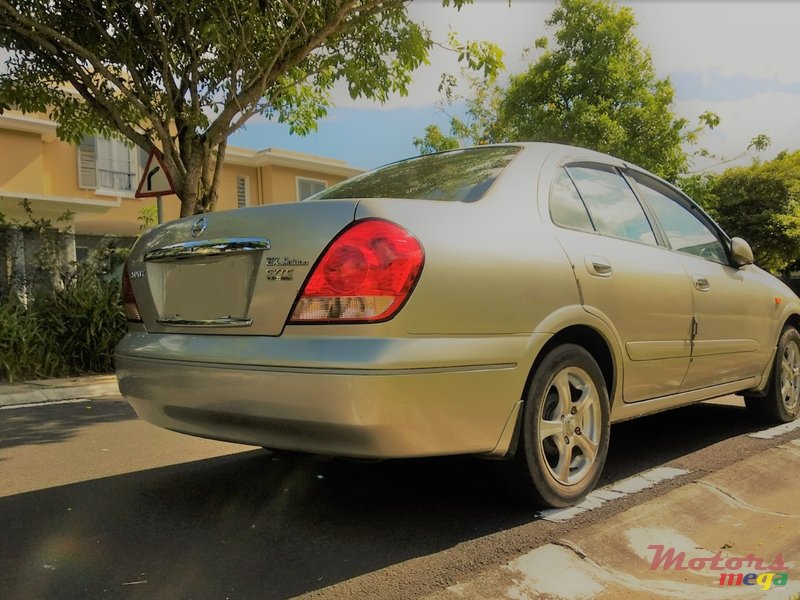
(84, 322)
(67, 332)
(69, 326)
(21, 345)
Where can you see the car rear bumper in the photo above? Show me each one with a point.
(391, 409)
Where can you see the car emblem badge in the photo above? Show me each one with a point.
(199, 226)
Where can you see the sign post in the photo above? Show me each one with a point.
(155, 182)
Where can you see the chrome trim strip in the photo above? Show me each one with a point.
(220, 322)
(216, 247)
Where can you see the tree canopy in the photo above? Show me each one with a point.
(760, 203)
(593, 86)
(596, 87)
(184, 75)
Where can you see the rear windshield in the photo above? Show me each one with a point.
(457, 176)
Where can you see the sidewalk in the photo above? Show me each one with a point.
(680, 545)
(52, 390)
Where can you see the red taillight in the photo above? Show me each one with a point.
(365, 275)
(131, 309)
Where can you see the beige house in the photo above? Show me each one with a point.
(97, 180)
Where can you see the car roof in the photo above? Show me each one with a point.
(564, 152)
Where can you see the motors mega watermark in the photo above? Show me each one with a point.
(747, 570)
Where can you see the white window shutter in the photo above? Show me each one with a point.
(143, 156)
(87, 163)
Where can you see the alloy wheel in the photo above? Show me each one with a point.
(570, 425)
(790, 375)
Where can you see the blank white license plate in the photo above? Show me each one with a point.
(206, 289)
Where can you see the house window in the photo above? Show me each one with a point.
(108, 164)
(309, 187)
(242, 191)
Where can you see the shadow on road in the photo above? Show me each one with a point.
(256, 525)
(56, 423)
(245, 526)
(650, 441)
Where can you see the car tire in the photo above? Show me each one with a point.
(564, 433)
(782, 401)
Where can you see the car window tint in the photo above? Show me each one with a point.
(685, 232)
(612, 204)
(457, 176)
(566, 206)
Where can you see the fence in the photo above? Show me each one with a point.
(34, 259)
(43, 259)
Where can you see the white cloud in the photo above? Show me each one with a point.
(776, 114)
(755, 39)
(513, 28)
(740, 48)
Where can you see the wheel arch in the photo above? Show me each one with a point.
(760, 391)
(582, 329)
(594, 342)
(793, 319)
(526, 463)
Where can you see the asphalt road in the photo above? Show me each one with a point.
(97, 504)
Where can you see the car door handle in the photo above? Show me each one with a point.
(701, 283)
(599, 266)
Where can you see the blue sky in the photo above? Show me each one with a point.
(738, 59)
(364, 137)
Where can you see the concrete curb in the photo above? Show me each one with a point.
(54, 390)
(741, 520)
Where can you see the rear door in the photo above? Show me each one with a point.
(624, 276)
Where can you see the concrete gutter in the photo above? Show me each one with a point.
(724, 523)
(53, 390)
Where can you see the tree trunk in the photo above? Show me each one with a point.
(211, 194)
(198, 189)
(188, 192)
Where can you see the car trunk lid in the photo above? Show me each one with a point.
(235, 272)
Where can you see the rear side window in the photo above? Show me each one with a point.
(612, 204)
(566, 207)
(458, 176)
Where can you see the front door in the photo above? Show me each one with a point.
(733, 321)
(731, 309)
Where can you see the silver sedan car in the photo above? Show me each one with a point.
(508, 301)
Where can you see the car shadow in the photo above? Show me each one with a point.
(649, 441)
(249, 525)
(258, 525)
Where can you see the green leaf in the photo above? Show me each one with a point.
(183, 76)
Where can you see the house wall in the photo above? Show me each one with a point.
(22, 165)
(35, 162)
(227, 198)
(123, 220)
(61, 170)
(281, 182)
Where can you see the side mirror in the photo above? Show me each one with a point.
(741, 253)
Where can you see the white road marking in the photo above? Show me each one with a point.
(773, 432)
(613, 492)
(34, 404)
